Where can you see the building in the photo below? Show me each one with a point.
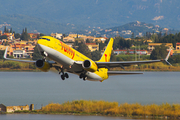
(151, 46)
(57, 35)
(10, 36)
(141, 52)
(100, 39)
(69, 39)
(19, 53)
(29, 52)
(70, 44)
(77, 35)
(4, 108)
(92, 46)
(33, 35)
(177, 46)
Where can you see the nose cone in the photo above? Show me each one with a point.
(40, 41)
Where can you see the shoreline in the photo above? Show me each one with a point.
(94, 114)
(177, 69)
(111, 109)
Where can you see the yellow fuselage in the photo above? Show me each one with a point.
(63, 54)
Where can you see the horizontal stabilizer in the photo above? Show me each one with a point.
(121, 73)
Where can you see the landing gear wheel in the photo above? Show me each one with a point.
(81, 76)
(66, 75)
(85, 78)
(62, 77)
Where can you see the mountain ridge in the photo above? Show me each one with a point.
(98, 13)
(34, 25)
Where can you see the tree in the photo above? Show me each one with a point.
(132, 36)
(101, 45)
(5, 29)
(113, 56)
(159, 52)
(11, 30)
(17, 35)
(25, 35)
(84, 49)
(88, 41)
(1, 54)
(36, 54)
(96, 55)
(121, 43)
(174, 59)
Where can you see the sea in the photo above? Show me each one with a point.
(42, 88)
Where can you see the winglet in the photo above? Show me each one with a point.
(167, 57)
(5, 53)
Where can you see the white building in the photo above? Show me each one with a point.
(18, 53)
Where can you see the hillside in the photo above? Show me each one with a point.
(97, 13)
(18, 22)
(138, 28)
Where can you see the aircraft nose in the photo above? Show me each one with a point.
(39, 41)
(40, 44)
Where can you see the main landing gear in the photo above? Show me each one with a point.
(83, 76)
(64, 75)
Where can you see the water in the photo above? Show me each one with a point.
(39, 88)
(57, 117)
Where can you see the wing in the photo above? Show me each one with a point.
(128, 63)
(121, 73)
(19, 60)
(123, 64)
(5, 54)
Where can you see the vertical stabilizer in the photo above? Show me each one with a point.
(107, 53)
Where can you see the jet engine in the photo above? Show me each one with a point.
(89, 66)
(43, 65)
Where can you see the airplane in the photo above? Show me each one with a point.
(66, 59)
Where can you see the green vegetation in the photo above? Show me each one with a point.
(171, 38)
(82, 48)
(14, 66)
(150, 67)
(24, 35)
(121, 43)
(91, 107)
(159, 52)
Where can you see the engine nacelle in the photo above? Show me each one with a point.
(43, 65)
(89, 66)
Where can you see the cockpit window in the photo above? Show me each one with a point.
(46, 39)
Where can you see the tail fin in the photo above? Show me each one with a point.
(107, 53)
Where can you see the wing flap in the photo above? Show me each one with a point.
(124, 63)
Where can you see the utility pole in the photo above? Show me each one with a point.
(139, 52)
(135, 54)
